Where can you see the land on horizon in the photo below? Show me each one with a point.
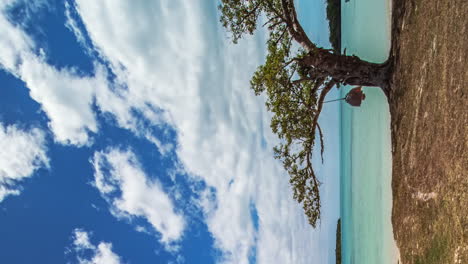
(334, 23)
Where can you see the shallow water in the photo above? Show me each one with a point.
(366, 196)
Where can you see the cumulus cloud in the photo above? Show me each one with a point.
(64, 96)
(22, 153)
(67, 96)
(100, 254)
(173, 55)
(130, 193)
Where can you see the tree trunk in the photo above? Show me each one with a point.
(348, 70)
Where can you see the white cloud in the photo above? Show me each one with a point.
(81, 240)
(100, 254)
(12, 41)
(130, 193)
(173, 55)
(72, 25)
(22, 153)
(65, 97)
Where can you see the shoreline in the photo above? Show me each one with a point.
(333, 10)
(391, 20)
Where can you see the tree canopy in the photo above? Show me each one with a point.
(292, 96)
(296, 77)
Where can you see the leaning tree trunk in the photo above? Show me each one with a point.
(347, 69)
(321, 63)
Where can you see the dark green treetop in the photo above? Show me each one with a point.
(293, 96)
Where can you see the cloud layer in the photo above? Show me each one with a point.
(22, 153)
(100, 254)
(130, 193)
(65, 97)
(173, 65)
(179, 60)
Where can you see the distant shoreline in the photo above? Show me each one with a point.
(338, 242)
(334, 24)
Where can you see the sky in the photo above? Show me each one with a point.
(129, 134)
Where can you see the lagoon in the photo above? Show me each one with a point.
(366, 159)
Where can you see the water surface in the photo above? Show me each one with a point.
(366, 161)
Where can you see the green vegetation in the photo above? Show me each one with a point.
(295, 80)
(293, 95)
(338, 242)
(334, 23)
(436, 253)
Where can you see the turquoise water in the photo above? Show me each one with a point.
(366, 197)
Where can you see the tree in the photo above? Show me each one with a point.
(296, 77)
(334, 23)
(338, 242)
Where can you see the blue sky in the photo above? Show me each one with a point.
(128, 134)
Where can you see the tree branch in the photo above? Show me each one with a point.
(294, 27)
(243, 18)
(274, 10)
(322, 146)
(271, 20)
(324, 92)
(298, 81)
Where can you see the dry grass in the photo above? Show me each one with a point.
(430, 130)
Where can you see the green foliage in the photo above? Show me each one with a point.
(437, 252)
(293, 96)
(338, 242)
(240, 16)
(334, 23)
